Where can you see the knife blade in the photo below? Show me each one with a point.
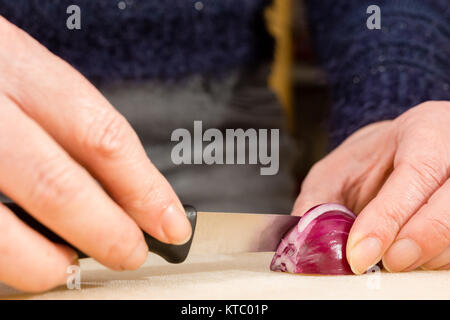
(212, 232)
(218, 232)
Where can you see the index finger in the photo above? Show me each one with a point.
(410, 185)
(81, 120)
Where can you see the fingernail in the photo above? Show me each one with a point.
(176, 225)
(137, 257)
(365, 254)
(402, 254)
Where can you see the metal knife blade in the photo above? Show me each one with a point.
(218, 232)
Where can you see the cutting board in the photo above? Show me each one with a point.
(239, 276)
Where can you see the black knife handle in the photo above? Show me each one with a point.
(170, 252)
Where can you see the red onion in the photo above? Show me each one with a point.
(316, 245)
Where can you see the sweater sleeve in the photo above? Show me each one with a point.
(378, 74)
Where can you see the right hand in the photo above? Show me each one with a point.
(75, 164)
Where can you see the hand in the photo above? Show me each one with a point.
(395, 175)
(75, 164)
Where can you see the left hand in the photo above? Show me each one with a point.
(395, 176)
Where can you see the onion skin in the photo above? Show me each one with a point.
(317, 244)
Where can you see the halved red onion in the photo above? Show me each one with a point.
(316, 245)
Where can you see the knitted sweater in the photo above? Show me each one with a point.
(378, 74)
(148, 39)
(375, 74)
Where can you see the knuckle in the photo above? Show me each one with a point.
(155, 193)
(434, 104)
(14, 40)
(427, 114)
(429, 172)
(393, 218)
(316, 170)
(420, 108)
(6, 42)
(54, 181)
(6, 30)
(412, 117)
(142, 198)
(107, 134)
(119, 248)
(440, 228)
(425, 105)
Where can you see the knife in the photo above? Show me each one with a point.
(212, 232)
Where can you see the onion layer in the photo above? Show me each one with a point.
(316, 245)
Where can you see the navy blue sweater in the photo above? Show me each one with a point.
(375, 74)
(378, 74)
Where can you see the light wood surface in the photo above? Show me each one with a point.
(240, 276)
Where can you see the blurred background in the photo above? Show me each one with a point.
(310, 93)
(308, 98)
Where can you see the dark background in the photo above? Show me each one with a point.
(311, 96)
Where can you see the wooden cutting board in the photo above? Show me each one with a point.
(239, 276)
